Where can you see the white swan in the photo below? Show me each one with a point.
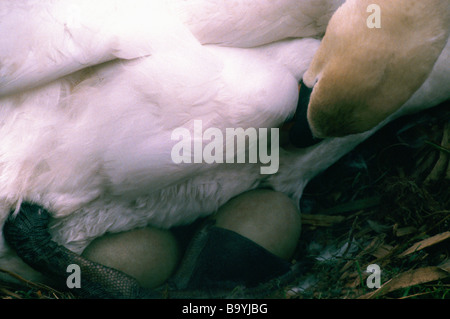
(94, 147)
(97, 143)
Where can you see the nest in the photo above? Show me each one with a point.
(385, 203)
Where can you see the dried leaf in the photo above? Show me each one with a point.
(426, 243)
(408, 279)
(379, 228)
(382, 251)
(321, 220)
(400, 232)
(445, 265)
(9, 294)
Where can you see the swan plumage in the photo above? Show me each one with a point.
(62, 38)
(87, 130)
(245, 23)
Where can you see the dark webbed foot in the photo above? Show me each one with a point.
(27, 233)
(220, 260)
(244, 250)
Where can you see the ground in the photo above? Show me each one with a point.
(385, 203)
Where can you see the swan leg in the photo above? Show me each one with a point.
(27, 233)
(220, 263)
(244, 249)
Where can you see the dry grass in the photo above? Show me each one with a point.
(385, 203)
(389, 199)
(26, 289)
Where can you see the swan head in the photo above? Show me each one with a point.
(364, 72)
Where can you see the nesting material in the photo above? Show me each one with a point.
(150, 255)
(268, 218)
(404, 230)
